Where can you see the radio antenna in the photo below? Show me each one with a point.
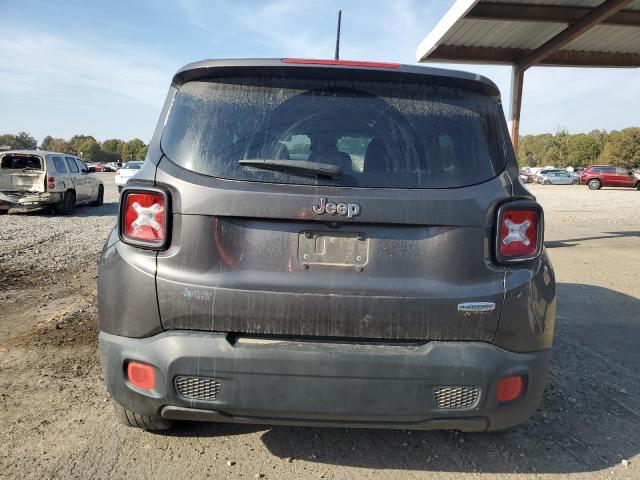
(338, 35)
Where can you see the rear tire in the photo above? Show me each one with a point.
(100, 198)
(68, 204)
(594, 184)
(4, 212)
(137, 420)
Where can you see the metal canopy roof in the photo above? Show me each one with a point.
(527, 33)
(594, 33)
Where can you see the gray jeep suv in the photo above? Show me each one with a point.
(316, 242)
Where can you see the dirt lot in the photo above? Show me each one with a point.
(57, 421)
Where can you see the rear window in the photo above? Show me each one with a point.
(21, 162)
(381, 134)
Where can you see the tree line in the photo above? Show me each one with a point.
(562, 149)
(85, 146)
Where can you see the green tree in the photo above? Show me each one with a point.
(622, 148)
(134, 149)
(89, 149)
(112, 146)
(532, 150)
(76, 140)
(582, 150)
(7, 141)
(46, 143)
(558, 149)
(60, 145)
(21, 141)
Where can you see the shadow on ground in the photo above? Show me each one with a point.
(572, 242)
(588, 420)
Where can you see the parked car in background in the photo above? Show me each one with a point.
(245, 285)
(128, 170)
(112, 166)
(557, 178)
(95, 167)
(544, 171)
(35, 179)
(526, 176)
(598, 176)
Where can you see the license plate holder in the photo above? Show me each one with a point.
(344, 249)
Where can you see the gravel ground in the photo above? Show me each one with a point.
(57, 421)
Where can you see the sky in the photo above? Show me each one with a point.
(104, 68)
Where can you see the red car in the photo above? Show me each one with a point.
(598, 176)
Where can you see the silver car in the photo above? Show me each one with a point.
(558, 178)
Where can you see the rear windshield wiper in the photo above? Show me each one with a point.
(299, 167)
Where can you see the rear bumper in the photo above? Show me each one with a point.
(28, 200)
(329, 384)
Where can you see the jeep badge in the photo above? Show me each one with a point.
(348, 210)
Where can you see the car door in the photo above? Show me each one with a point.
(563, 178)
(78, 180)
(91, 183)
(609, 177)
(74, 176)
(625, 177)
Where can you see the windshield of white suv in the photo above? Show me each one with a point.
(393, 135)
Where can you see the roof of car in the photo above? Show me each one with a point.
(333, 69)
(37, 152)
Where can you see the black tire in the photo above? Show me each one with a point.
(3, 211)
(68, 204)
(100, 198)
(146, 422)
(594, 184)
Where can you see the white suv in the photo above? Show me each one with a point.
(34, 179)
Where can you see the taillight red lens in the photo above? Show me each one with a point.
(518, 233)
(144, 217)
(51, 182)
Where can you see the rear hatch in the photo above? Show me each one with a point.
(21, 173)
(395, 247)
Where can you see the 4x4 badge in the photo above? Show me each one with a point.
(348, 210)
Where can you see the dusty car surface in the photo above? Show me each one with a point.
(32, 179)
(319, 242)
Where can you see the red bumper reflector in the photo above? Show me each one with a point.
(347, 63)
(509, 388)
(141, 375)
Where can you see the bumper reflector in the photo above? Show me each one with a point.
(509, 388)
(141, 375)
